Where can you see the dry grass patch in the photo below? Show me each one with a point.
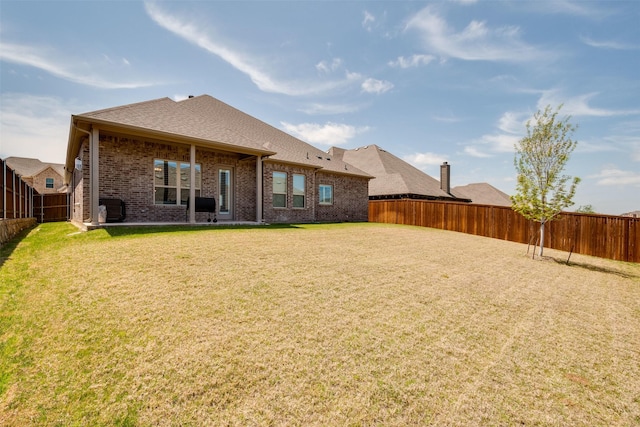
(354, 324)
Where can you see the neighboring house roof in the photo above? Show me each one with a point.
(393, 176)
(27, 167)
(633, 214)
(483, 194)
(206, 121)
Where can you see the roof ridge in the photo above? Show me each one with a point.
(126, 106)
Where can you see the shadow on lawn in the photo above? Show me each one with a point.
(156, 229)
(591, 267)
(7, 249)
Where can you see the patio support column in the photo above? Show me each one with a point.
(192, 187)
(94, 173)
(259, 188)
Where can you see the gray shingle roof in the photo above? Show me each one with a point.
(483, 194)
(210, 121)
(28, 167)
(393, 176)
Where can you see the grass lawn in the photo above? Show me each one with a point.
(351, 324)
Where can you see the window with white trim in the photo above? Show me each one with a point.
(326, 194)
(298, 191)
(279, 189)
(172, 181)
(49, 183)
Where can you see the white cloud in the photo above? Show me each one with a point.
(328, 134)
(578, 105)
(614, 176)
(317, 108)
(368, 21)
(513, 122)
(371, 85)
(570, 7)
(53, 63)
(34, 126)
(243, 63)
(475, 152)
(327, 67)
(412, 61)
(423, 160)
(476, 42)
(510, 126)
(450, 118)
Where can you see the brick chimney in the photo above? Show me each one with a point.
(445, 177)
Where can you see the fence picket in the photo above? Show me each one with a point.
(603, 236)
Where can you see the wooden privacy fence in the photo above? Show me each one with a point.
(16, 200)
(604, 236)
(51, 207)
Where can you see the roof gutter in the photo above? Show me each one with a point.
(69, 167)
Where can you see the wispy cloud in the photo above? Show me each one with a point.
(328, 134)
(579, 105)
(368, 20)
(197, 35)
(424, 160)
(611, 175)
(608, 44)
(411, 61)
(371, 85)
(318, 109)
(34, 124)
(509, 130)
(53, 63)
(476, 42)
(570, 7)
(328, 67)
(448, 118)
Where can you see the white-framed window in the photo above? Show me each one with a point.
(326, 194)
(49, 183)
(298, 191)
(279, 189)
(172, 181)
(224, 191)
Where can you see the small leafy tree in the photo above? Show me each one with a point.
(586, 209)
(542, 191)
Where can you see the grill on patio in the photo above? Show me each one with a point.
(203, 204)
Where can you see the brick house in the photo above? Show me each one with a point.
(43, 177)
(156, 155)
(396, 179)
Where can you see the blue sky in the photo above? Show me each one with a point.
(429, 82)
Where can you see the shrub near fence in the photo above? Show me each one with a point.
(604, 236)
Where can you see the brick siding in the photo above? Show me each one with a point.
(126, 172)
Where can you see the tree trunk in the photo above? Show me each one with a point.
(541, 237)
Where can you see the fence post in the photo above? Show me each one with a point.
(4, 190)
(42, 209)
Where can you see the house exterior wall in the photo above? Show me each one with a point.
(126, 172)
(350, 196)
(39, 181)
(288, 214)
